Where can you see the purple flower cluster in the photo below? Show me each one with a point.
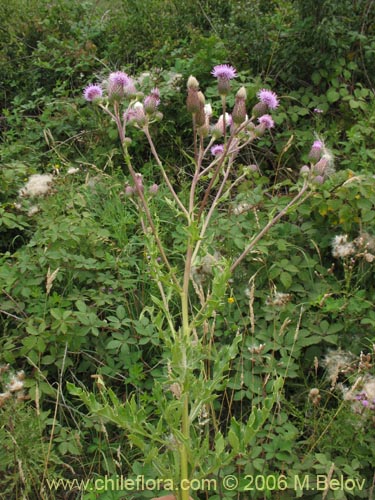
(363, 398)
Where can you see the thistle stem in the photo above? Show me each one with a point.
(266, 228)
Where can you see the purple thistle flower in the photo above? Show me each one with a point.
(119, 78)
(117, 83)
(224, 72)
(92, 92)
(152, 101)
(269, 98)
(266, 121)
(365, 402)
(217, 150)
(316, 150)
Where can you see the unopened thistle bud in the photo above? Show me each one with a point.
(153, 189)
(129, 191)
(239, 110)
(259, 109)
(319, 179)
(138, 181)
(304, 171)
(320, 167)
(139, 114)
(192, 83)
(152, 101)
(200, 117)
(192, 101)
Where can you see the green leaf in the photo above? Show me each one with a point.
(286, 279)
(120, 312)
(332, 95)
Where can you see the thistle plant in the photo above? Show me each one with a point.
(195, 372)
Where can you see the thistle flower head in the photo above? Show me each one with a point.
(117, 83)
(224, 72)
(316, 150)
(118, 78)
(217, 150)
(266, 121)
(269, 98)
(92, 92)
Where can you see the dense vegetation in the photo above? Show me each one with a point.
(285, 347)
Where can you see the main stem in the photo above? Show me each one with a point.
(185, 424)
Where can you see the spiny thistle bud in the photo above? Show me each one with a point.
(200, 117)
(139, 114)
(153, 189)
(192, 101)
(204, 130)
(192, 83)
(305, 171)
(319, 179)
(239, 110)
(259, 109)
(129, 191)
(138, 181)
(152, 101)
(320, 167)
(253, 168)
(117, 82)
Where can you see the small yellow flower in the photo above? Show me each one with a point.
(230, 300)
